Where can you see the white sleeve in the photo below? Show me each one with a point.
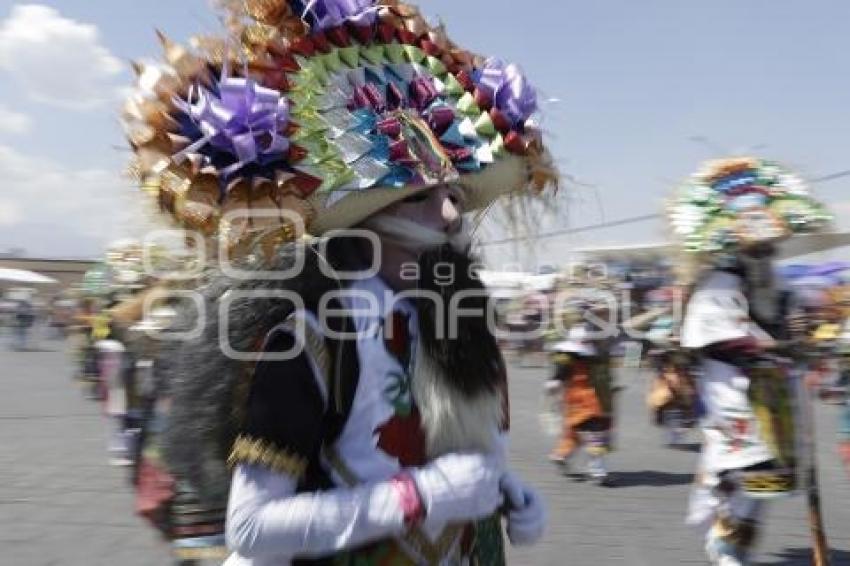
(267, 519)
(717, 312)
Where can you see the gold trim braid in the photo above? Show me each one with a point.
(247, 450)
(769, 482)
(202, 553)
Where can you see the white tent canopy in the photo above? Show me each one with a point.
(24, 276)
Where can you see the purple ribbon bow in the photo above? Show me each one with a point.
(510, 90)
(244, 119)
(332, 13)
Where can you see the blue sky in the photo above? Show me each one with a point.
(635, 81)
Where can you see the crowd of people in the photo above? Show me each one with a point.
(121, 363)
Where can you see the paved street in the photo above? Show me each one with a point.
(61, 504)
(640, 522)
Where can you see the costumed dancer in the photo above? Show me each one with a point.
(827, 353)
(168, 500)
(123, 280)
(111, 356)
(844, 436)
(535, 315)
(817, 300)
(383, 443)
(733, 213)
(814, 313)
(133, 387)
(844, 426)
(80, 341)
(583, 381)
(672, 396)
(89, 327)
(25, 318)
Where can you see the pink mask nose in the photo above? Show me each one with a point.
(451, 215)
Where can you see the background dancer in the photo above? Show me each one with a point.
(734, 212)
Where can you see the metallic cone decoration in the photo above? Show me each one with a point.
(743, 201)
(309, 107)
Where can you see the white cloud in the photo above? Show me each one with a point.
(12, 122)
(58, 60)
(52, 210)
(10, 214)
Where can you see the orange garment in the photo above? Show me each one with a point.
(671, 388)
(580, 405)
(844, 452)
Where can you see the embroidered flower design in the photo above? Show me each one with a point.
(401, 436)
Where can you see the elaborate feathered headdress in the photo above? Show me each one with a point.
(736, 202)
(318, 114)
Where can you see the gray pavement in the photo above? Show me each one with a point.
(640, 521)
(61, 504)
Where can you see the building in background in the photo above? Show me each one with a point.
(68, 272)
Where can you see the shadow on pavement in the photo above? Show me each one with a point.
(35, 349)
(803, 557)
(649, 478)
(691, 447)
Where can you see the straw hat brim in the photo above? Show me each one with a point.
(507, 174)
